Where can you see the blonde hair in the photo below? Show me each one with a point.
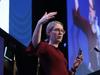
(51, 25)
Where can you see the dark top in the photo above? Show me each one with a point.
(52, 60)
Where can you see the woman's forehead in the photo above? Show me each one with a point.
(58, 26)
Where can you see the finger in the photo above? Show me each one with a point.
(51, 17)
(79, 59)
(52, 13)
(77, 63)
(45, 13)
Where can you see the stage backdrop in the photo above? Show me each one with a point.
(16, 19)
(20, 20)
(77, 37)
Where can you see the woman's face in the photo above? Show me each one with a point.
(56, 34)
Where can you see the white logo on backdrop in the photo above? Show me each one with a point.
(4, 15)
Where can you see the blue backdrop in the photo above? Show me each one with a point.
(20, 20)
(76, 38)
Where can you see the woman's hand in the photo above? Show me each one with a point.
(77, 62)
(37, 32)
(46, 17)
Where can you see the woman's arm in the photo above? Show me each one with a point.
(36, 38)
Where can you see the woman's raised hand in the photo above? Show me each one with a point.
(46, 17)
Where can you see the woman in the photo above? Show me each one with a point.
(52, 60)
